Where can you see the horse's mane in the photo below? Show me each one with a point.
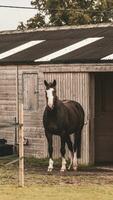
(65, 101)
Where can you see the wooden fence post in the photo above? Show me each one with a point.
(21, 147)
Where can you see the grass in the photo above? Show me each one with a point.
(57, 192)
(88, 183)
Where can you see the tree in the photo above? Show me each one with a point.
(70, 12)
(36, 22)
(21, 26)
(103, 11)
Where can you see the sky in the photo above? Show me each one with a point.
(10, 17)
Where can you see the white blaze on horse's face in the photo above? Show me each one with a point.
(50, 97)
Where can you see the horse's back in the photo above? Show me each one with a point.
(75, 109)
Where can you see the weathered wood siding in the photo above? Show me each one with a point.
(7, 102)
(29, 85)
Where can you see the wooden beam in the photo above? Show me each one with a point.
(21, 147)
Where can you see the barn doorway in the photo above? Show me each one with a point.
(104, 117)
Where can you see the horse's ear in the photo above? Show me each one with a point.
(46, 83)
(54, 83)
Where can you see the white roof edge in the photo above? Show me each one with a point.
(59, 28)
(68, 49)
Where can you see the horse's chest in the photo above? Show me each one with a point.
(53, 125)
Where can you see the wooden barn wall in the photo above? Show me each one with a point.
(30, 93)
(7, 102)
(70, 85)
(73, 86)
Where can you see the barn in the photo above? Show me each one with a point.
(80, 59)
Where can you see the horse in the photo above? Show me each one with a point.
(62, 118)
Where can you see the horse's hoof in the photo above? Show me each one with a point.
(62, 170)
(75, 168)
(50, 169)
(69, 168)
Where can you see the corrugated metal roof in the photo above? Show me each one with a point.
(61, 46)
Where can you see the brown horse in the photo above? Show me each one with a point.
(62, 118)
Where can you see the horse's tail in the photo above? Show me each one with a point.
(81, 117)
(79, 145)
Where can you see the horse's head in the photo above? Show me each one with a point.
(50, 93)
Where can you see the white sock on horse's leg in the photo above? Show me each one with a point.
(71, 160)
(75, 164)
(50, 167)
(63, 168)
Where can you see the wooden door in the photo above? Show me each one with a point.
(104, 117)
(30, 91)
(30, 101)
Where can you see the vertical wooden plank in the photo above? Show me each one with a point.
(17, 106)
(83, 98)
(92, 119)
(21, 147)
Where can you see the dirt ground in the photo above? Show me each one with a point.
(36, 173)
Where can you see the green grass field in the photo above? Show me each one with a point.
(88, 183)
(65, 192)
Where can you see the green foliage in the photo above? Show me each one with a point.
(69, 12)
(36, 22)
(21, 26)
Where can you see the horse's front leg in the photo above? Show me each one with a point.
(50, 151)
(63, 151)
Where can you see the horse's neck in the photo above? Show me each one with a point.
(58, 104)
(56, 107)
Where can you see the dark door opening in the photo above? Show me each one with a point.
(104, 117)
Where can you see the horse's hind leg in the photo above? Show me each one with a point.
(63, 151)
(77, 149)
(75, 164)
(70, 147)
